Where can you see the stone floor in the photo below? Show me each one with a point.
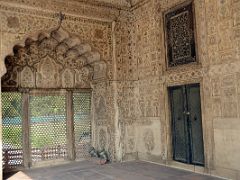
(115, 171)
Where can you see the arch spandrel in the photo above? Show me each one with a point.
(54, 60)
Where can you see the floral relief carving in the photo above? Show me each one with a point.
(27, 77)
(131, 144)
(47, 73)
(59, 60)
(102, 139)
(101, 108)
(148, 138)
(67, 79)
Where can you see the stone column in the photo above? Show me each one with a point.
(70, 127)
(26, 130)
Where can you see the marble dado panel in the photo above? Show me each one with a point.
(142, 137)
(149, 135)
(226, 140)
(130, 139)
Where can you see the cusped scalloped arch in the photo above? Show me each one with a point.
(55, 60)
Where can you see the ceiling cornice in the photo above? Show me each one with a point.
(126, 5)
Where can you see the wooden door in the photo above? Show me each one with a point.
(187, 124)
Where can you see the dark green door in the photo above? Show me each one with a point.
(187, 124)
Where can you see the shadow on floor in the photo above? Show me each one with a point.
(16, 175)
(7, 175)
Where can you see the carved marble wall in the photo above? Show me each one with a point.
(221, 82)
(131, 117)
(54, 60)
(217, 41)
(104, 117)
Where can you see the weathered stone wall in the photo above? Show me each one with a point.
(217, 71)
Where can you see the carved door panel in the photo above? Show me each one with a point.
(195, 123)
(180, 134)
(187, 124)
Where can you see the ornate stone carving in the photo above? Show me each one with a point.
(67, 78)
(132, 53)
(148, 138)
(27, 77)
(59, 60)
(81, 77)
(184, 75)
(102, 137)
(13, 22)
(108, 8)
(47, 75)
(10, 78)
(180, 36)
(130, 139)
(131, 144)
(101, 108)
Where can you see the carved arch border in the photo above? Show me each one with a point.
(54, 60)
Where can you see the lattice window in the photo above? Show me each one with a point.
(12, 130)
(48, 127)
(82, 123)
(180, 39)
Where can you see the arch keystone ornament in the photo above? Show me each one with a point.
(55, 60)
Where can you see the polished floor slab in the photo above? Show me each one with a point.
(86, 170)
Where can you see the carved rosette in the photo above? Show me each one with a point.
(55, 60)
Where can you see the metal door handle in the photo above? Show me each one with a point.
(187, 113)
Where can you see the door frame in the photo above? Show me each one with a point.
(169, 134)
